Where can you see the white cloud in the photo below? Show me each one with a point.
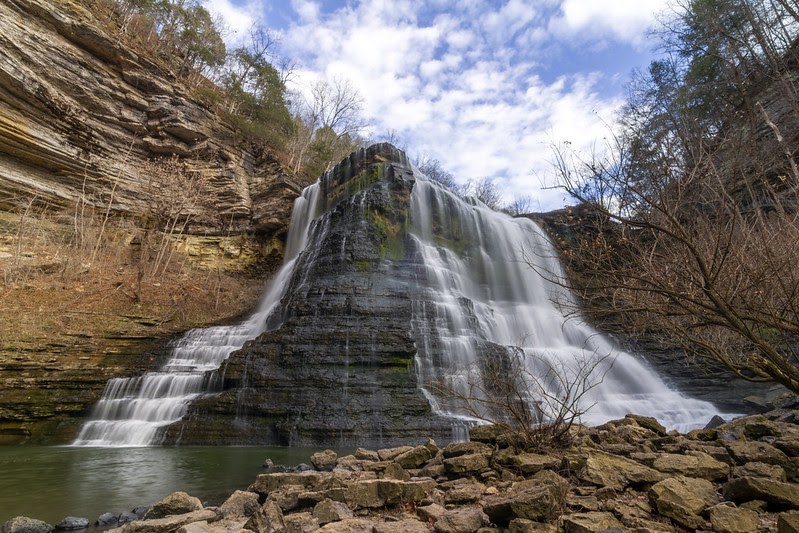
(464, 84)
(236, 19)
(621, 20)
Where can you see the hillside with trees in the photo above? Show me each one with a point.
(693, 202)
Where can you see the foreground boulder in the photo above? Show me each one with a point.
(174, 504)
(683, 498)
(23, 524)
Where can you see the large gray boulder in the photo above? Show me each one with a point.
(683, 499)
(590, 522)
(777, 494)
(463, 520)
(616, 472)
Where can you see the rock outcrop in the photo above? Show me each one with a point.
(80, 114)
(80, 117)
(340, 367)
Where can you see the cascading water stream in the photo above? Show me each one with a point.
(474, 297)
(479, 288)
(132, 410)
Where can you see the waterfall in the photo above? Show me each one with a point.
(480, 294)
(481, 316)
(131, 410)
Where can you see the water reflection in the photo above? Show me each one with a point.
(50, 483)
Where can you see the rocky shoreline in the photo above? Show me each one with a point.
(626, 475)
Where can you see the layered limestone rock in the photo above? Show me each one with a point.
(340, 367)
(80, 117)
(80, 114)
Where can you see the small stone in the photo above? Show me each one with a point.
(463, 520)
(776, 493)
(325, 460)
(457, 449)
(692, 464)
(648, 422)
(755, 469)
(727, 519)
(366, 455)
(408, 525)
(348, 525)
(747, 451)
(522, 525)
(415, 457)
(328, 511)
(71, 523)
(300, 523)
(23, 524)
(616, 472)
(590, 522)
(530, 463)
(388, 454)
(240, 504)
(430, 513)
(107, 520)
(467, 464)
(174, 504)
(683, 498)
(395, 471)
(788, 522)
(465, 493)
(127, 517)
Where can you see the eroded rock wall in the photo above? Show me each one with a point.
(80, 114)
(339, 369)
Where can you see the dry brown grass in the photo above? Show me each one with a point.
(50, 288)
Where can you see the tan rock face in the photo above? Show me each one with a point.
(80, 115)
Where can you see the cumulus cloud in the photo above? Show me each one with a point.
(620, 20)
(464, 85)
(236, 18)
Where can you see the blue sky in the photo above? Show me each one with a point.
(486, 87)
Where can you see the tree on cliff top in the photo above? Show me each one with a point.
(328, 121)
(696, 199)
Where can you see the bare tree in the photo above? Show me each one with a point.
(693, 208)
(433, 169)
(694, 262)
(520, 205)
(535, 400)
(328, 107)
(484, 189)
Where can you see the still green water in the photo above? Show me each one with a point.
(49, 483)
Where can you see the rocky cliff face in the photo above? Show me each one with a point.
(79, 114)
(80, 117)
(340, 368)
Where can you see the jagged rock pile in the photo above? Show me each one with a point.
(627, 475)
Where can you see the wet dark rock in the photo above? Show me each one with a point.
(107, 520)
(70, 523)
(715, 422)
(339, 370)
